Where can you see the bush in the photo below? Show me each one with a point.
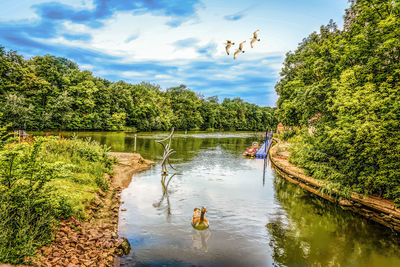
(40, 182)
(336, 164)
(286, 135)
(26, 214)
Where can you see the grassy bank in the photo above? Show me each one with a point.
(342, 172)
(44, 180)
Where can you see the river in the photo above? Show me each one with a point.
(256, 217)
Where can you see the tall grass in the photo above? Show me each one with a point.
(42, 181)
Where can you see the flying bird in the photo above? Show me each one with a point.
(241, 46)
(229, 43)
(239, 50)
(255, 38)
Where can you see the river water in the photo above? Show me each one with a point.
(256, 217)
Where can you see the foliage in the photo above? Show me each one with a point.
(26, 212)
(289, 133)
(47, 92)
(351, 77)
(42, 181)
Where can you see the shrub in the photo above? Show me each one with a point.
(40, 182)
(26, 213)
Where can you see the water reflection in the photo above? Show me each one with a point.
(312, 231)
(200, 239)
(188, 145)
(252, 225)
(164, 184)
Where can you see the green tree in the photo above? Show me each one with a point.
(352, 78)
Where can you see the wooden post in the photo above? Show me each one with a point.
(134, 147)
(277, 146)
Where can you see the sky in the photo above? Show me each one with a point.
(170, 42)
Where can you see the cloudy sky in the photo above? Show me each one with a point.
(169, 42)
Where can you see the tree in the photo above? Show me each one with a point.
(352, 78)
(16, 111)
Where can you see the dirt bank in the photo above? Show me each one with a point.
(380, 210)
(95, 241)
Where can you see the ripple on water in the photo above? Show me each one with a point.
(252, 222)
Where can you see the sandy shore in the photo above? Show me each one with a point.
(95, 241)
(129, 163)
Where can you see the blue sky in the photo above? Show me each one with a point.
(170, 42)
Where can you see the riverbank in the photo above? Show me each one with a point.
(95, 241)
(382, 211)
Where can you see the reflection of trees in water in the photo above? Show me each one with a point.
(164, 184)
(319, 233)
(187, 147)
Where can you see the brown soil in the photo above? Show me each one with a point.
(95, 242)
(129, 164)
(375, 208)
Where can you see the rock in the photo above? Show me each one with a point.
(119, 252)
(54, 260)
(108, 226)
(125, 246)
(387, 218)
(345, 203)
(46, 251)
(81, 247)
(74, 260)
(88, 263)
(101, 193)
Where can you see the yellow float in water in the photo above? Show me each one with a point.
(199, 220)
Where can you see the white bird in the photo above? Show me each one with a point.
(239, 50)
(229, 43)
(255, 38)
(241, 46)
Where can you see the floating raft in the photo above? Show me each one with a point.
(262, 153)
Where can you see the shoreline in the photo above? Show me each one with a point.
(377, 209)
(94, 241)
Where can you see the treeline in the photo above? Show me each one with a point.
(48, 92)
(347, 82)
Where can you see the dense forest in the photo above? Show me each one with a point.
(344, 85)
(48, 92)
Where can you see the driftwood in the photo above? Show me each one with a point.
(164, 184)
(168, 151)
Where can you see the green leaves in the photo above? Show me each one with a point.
(40, 182)
(351, 77)
(52, 93)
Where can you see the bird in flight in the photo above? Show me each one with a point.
(239, 50)
(229, 43)
(255, 38)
